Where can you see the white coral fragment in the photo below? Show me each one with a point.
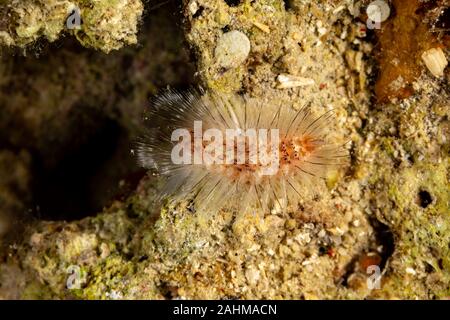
(286, 81)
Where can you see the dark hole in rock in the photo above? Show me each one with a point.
(441, 264)
(322, 251)
(66, 190)
(444, 21)
(385, 238)
(287, 4)
(424, 198)
(233, 3)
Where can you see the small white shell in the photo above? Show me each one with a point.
(232, 49)
(435, 61)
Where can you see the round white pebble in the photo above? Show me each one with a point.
(232, 49)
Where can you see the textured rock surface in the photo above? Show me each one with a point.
(105, 25)
(390, 208)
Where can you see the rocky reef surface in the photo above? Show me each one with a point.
(107, 25)
(69, 113)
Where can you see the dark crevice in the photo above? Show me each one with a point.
(384, 238)
(287, 4)
(424, 198)
(443, 21)
(233, 3)
(63, 191)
